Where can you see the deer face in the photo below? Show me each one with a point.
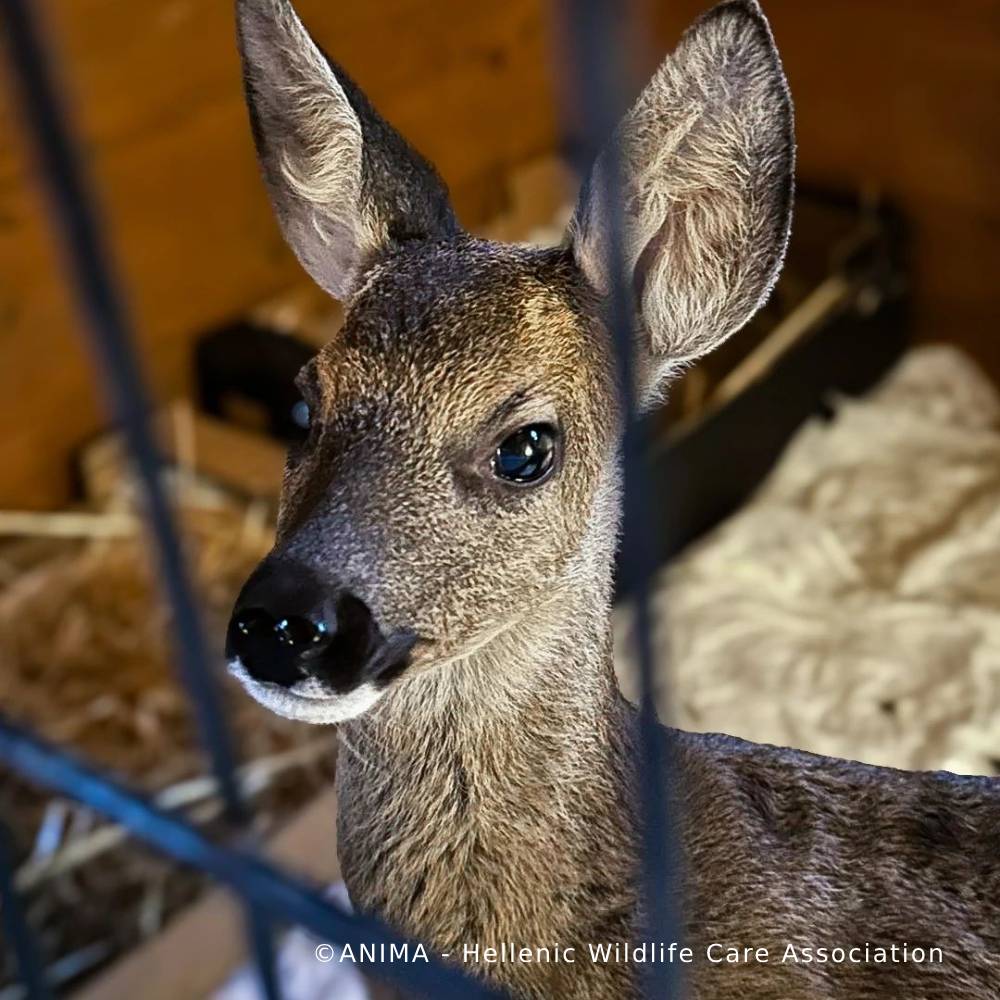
(459, 466)
(459, 428)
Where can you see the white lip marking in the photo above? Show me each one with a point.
(296, 703)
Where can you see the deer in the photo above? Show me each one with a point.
(440, 585)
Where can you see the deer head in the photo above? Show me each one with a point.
(459, 473)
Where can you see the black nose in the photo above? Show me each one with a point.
(289, 624)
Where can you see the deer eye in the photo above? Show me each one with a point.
(527, 455)
(302, 415)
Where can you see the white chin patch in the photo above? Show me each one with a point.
(305, 700)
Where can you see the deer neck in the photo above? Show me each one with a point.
(477, 802)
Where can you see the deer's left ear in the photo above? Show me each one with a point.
(706, 162)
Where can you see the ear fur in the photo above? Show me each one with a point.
(344, 184)
(706, 164)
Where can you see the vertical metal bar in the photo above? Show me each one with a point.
(15, 922)
(89, 268)
(598, 67)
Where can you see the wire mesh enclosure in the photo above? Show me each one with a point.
(272, 897)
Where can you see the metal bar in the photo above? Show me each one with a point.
(283, 895)
(88, 264)
(598, 69)
(15, 922)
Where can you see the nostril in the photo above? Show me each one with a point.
(295, 632)
(300, 634)
(290, 626)
(275, 648)
(253, 623)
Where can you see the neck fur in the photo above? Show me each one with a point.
(476, 802)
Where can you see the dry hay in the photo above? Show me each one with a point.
(85, 660)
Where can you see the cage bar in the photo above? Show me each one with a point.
(279, 893)
(598, 69)
(15, 923)
(100, 301)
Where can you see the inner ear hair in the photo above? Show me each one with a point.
(344, 184)
(706, 159)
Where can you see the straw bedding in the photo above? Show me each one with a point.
(84, 660)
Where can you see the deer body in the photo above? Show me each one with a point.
(478, 830)
(441, 579)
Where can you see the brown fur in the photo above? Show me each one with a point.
(486, 792)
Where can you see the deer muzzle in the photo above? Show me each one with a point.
(292, 628)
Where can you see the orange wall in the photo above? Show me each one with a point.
(157, 87)
(899, 94)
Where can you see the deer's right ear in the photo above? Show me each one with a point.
(344, 184)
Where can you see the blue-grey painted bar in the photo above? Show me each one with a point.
(280, 894)
(15, 923)
(598, 67)
(89, 269)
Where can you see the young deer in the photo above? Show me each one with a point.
(441, 581)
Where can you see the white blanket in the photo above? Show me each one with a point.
(852, 608)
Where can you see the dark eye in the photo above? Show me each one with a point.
(527, 455)
(301, 415)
